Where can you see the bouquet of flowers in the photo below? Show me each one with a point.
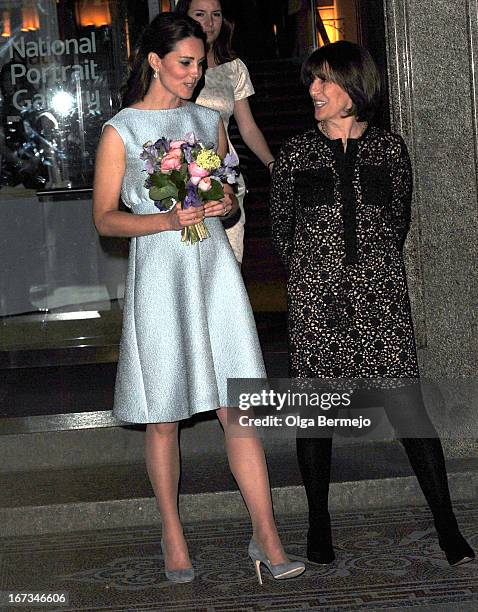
(189, 172)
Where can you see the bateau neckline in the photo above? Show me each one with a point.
(156, 110)
(224, 64)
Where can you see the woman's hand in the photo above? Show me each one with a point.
(179, 218)
(223, 207)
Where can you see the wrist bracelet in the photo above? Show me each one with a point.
(270, 163)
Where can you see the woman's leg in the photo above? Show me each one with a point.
(248, 466)
(314, 458)
(163, 464)
(406, 411)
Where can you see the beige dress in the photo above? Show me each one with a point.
(224, 86)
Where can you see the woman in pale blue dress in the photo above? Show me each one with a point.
(187, 323)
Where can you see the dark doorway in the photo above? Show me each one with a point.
(266, 30)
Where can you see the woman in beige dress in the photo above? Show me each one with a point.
(227, 89)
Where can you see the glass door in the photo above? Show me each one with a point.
(62, 63)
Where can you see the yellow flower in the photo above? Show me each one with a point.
(208, 160)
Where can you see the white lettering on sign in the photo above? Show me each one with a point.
(53, 72)
(45, 46)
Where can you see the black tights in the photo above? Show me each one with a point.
(424, 453)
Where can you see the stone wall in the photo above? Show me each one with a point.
(433, 94)
(432, 50)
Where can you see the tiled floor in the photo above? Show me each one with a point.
(386, 560)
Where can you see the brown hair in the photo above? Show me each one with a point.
(222, 45)
(159, 37)
(353, 69)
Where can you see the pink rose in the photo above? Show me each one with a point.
(176, 144)
(175, 153)
(170, 162)
(196, 173)
(205, 184)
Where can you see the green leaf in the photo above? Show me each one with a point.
(168, 203)
(182, 193)
(215, 193)
(161, 193)
(177, 179)
(160, 180)
(184, 172)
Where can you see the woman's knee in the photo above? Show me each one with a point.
(230, 419)
(162, 429)
(408, 415)
(224, 414)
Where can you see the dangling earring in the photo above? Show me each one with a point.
(155, 74)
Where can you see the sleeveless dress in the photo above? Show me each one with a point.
(187, 322)
(224, 86)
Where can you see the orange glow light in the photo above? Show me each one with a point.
(94, 13)
(128, 44)
(6, 30)
(331, 23)
(30, 18)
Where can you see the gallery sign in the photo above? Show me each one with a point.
(59, 82)
(52, 71)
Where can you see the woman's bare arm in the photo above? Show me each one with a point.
(108, 219)
(250, 133)
(222, 146)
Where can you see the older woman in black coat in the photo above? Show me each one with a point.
(340, 208)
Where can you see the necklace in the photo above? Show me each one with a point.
(325, 131)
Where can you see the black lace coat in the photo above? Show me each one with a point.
(339, 222)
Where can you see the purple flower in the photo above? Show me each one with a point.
(231, 160)
(192, 197)
(187, 148)
(226, 174)
(162, 143)
(149, 166)
(190, 138)
(148, 152)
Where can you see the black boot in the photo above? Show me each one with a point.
(453, 544)
(407, 413)
(314, 456)
(319, 540)
(428, 462)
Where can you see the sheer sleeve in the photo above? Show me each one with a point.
(402, 188)
(282, 207)
(243, 87)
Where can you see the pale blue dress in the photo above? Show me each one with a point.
(187, 322)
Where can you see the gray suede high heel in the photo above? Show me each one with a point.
(179, 575)
(280, 571)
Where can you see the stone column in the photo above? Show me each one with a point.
(433, 60)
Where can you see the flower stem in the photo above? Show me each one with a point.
(194, 233)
